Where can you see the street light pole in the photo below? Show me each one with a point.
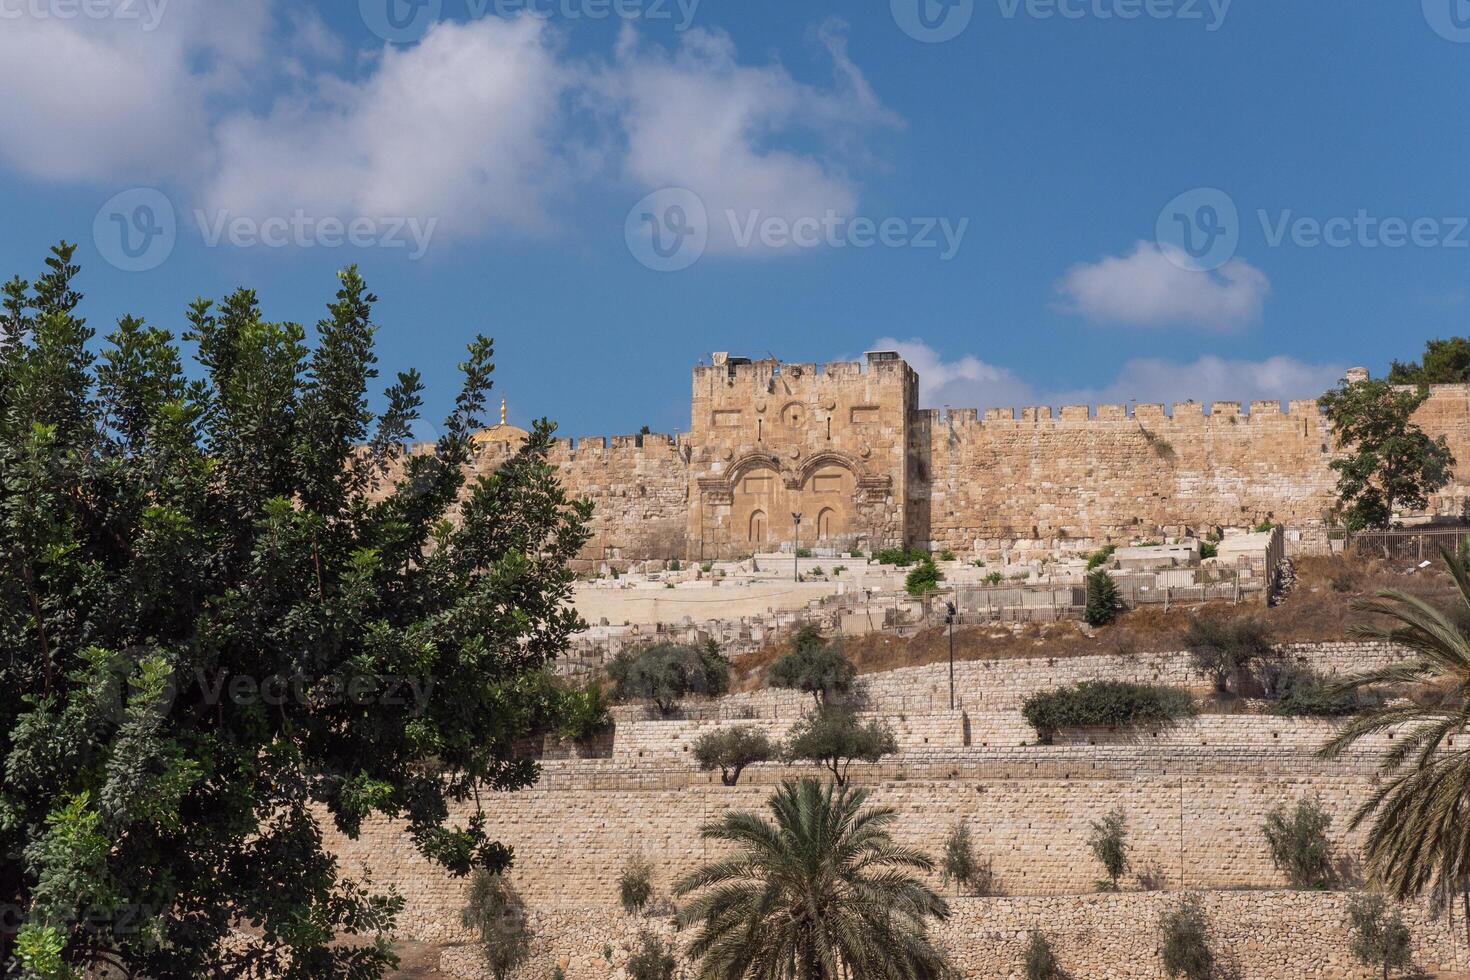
(796, 551)
(949, 621)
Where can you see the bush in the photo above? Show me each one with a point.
(994, 578)
(730, 750)
(902, 557)
(1094, 704)
(498, 917)
(1228, 649)
(1304, 694)
(1041, 962)
(1104, 602)
(924, 579)
(803, 552)
(1380, 938)
(814, 666)
(1186, 932)
(583, 714)
(1209, 549)
(1109, 844)
(833, 737)
(960, 866)
(666, 672)
(947, 555)
(653, 960)
(1101, 557)
(635, 884)
(1298, 841)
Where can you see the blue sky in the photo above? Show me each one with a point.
(1008, 205)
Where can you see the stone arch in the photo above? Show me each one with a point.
(826, 460)
(759, 525)
(827, 524)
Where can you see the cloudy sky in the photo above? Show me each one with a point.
(1037, 201)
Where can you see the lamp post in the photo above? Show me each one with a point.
(949, 621)
(796, 551)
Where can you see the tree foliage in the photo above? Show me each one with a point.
(1109, 844)
(1186, 933)
(635, 884)
(1104, 601)
(815, 667)
(496, 914)
(924, 578)
(666, 673)
(821, 891)
(1041, 962)
(1110, 704)
(1297, 837)
(653, 959)
(1229, 649)
(1388, 462)
(730, 750)
(231, 606)
(833, 737)
(959, 864)
(1446, 362)
(1380, 938)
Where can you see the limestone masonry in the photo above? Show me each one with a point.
(847, 446)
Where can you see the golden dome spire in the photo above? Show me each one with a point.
(502, 411)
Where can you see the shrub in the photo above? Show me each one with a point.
(730, 750)
(1101, 556)
(924, 579)
(1041, 962)
(1104, 602)
(1228, 649)
(1093, 704)
(675, 565)
(994, 578)
(666, 672)
(960, 866)
(707, 567)
(1109, 844)
(814, 666)
(833, 737)
(498, 917)
(1298, 841)
(583, 714)
(653, 960)
(1304, 694)
(947, 555)
(803, 552)
(902, 557)
(1209, 549)
(1380, 938)
(1186, 932)
(635, 884)
(1264, 527)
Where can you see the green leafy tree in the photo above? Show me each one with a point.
(583, 714)
(821, 892)
(1446, 362)
(1041, 962)
(959, 864)
(635, 884)
(667, 673)
(730, 750)
(1419, 812)
(232, 607)
(653, 960)
(1109, 844)
(1104, 601)
(1388, 461)
(833, 737)
(924, 579)
(1229, 649)
(1380, 938)
(496, 914)
(1186, 934)
(816, 667)
(1298, 841)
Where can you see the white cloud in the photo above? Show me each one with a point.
(459, 128)
(968, 382)
(1145, 288)
(122, 97)
(698, 119)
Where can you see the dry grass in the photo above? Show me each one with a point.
(1319, 608)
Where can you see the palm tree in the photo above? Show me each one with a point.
(1419, 840)
(824, 893)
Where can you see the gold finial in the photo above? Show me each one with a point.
(502, 411)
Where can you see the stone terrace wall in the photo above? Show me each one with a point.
(1253, 934)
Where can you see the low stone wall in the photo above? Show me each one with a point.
(1285, 935)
